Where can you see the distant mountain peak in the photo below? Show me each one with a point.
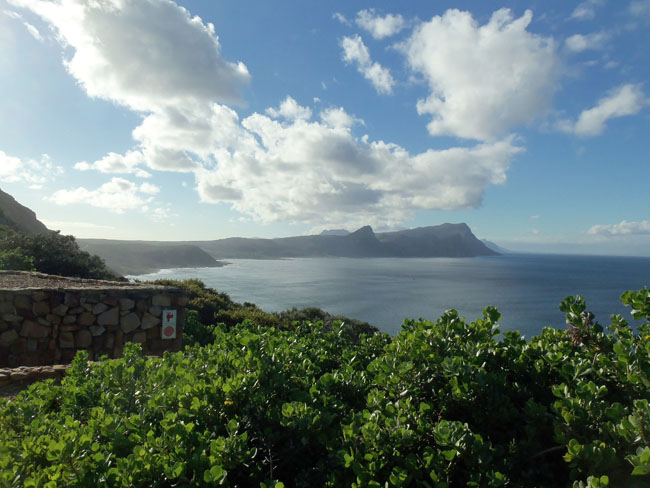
(335, 232)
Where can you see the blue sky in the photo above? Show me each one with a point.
(149, 119)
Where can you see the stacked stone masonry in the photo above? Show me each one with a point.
(45, 320)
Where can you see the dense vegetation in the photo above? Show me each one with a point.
(49, 252)
(444, 404)
(208, 306)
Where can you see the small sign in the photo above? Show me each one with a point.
(168, 329)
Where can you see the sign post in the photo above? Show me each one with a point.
(168, 329)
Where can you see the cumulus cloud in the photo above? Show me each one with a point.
(586, 10)
(120, 53)
(578, 42)
(484, 80)
(380, 27)
(625, 100)
(290, 110)
(117, 163)
(621, 229)
(30, 171)
(116, 196)
(319, 173)
(284, 164)
(356, 52)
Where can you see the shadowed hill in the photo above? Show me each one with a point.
(19, 217)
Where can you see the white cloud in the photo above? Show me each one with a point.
(116, 196)
(338, 118)
(578, 42)
(30, 172)
(341, 18)
(484, 80)
(623, 228)
(348, 179)
(149, 189)
(121, 54)
(586, 10)
(380, 27)
(116, 163)
(285, 164)
(355, 51)
(33, 31)
(625, 100)
(640, 8)
(290, 110)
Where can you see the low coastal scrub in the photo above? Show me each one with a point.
(442, 404)
(51, 253)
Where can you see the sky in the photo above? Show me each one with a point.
(198, 120)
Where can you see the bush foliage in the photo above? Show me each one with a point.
(50, 253)
(442, 404)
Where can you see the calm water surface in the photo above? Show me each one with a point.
(526, 289)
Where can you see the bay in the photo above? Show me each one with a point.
(526, 288)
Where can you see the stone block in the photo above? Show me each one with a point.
(161, 300)
(71, 299)
(53, 319)
(86, 319)
(97, 330)
(99, 308)
(66, 340)
(69, 327)
(109, 341)
(142, 306)
(180, 300)
(126, 304)
(8, 337)
(111, 301)
(23, 302)
(129, 322)
(12, 318)
(34, 330)
(82, 339)
(70, 319)
(118, 350)
(60, 310)
(155, 310)
(76, 310)
(140, 337)
(149, 321)
(110, 317)
(88, 307)
(43, 322)
(7, 308)
(32, 345)
(154, 332)
(41, 308)
(39, 295)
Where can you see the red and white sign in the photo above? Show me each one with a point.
(168, 329)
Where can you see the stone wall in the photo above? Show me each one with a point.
(46, 320)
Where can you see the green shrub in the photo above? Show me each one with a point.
(16, 260)
(52, 253)
(442, 404)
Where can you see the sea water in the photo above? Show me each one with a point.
(526, 288)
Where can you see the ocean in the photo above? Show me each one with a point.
(526, 288)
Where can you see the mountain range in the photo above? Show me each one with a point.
(446, 240)
(140, 257)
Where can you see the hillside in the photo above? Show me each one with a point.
(134, 257)
(19, 217)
